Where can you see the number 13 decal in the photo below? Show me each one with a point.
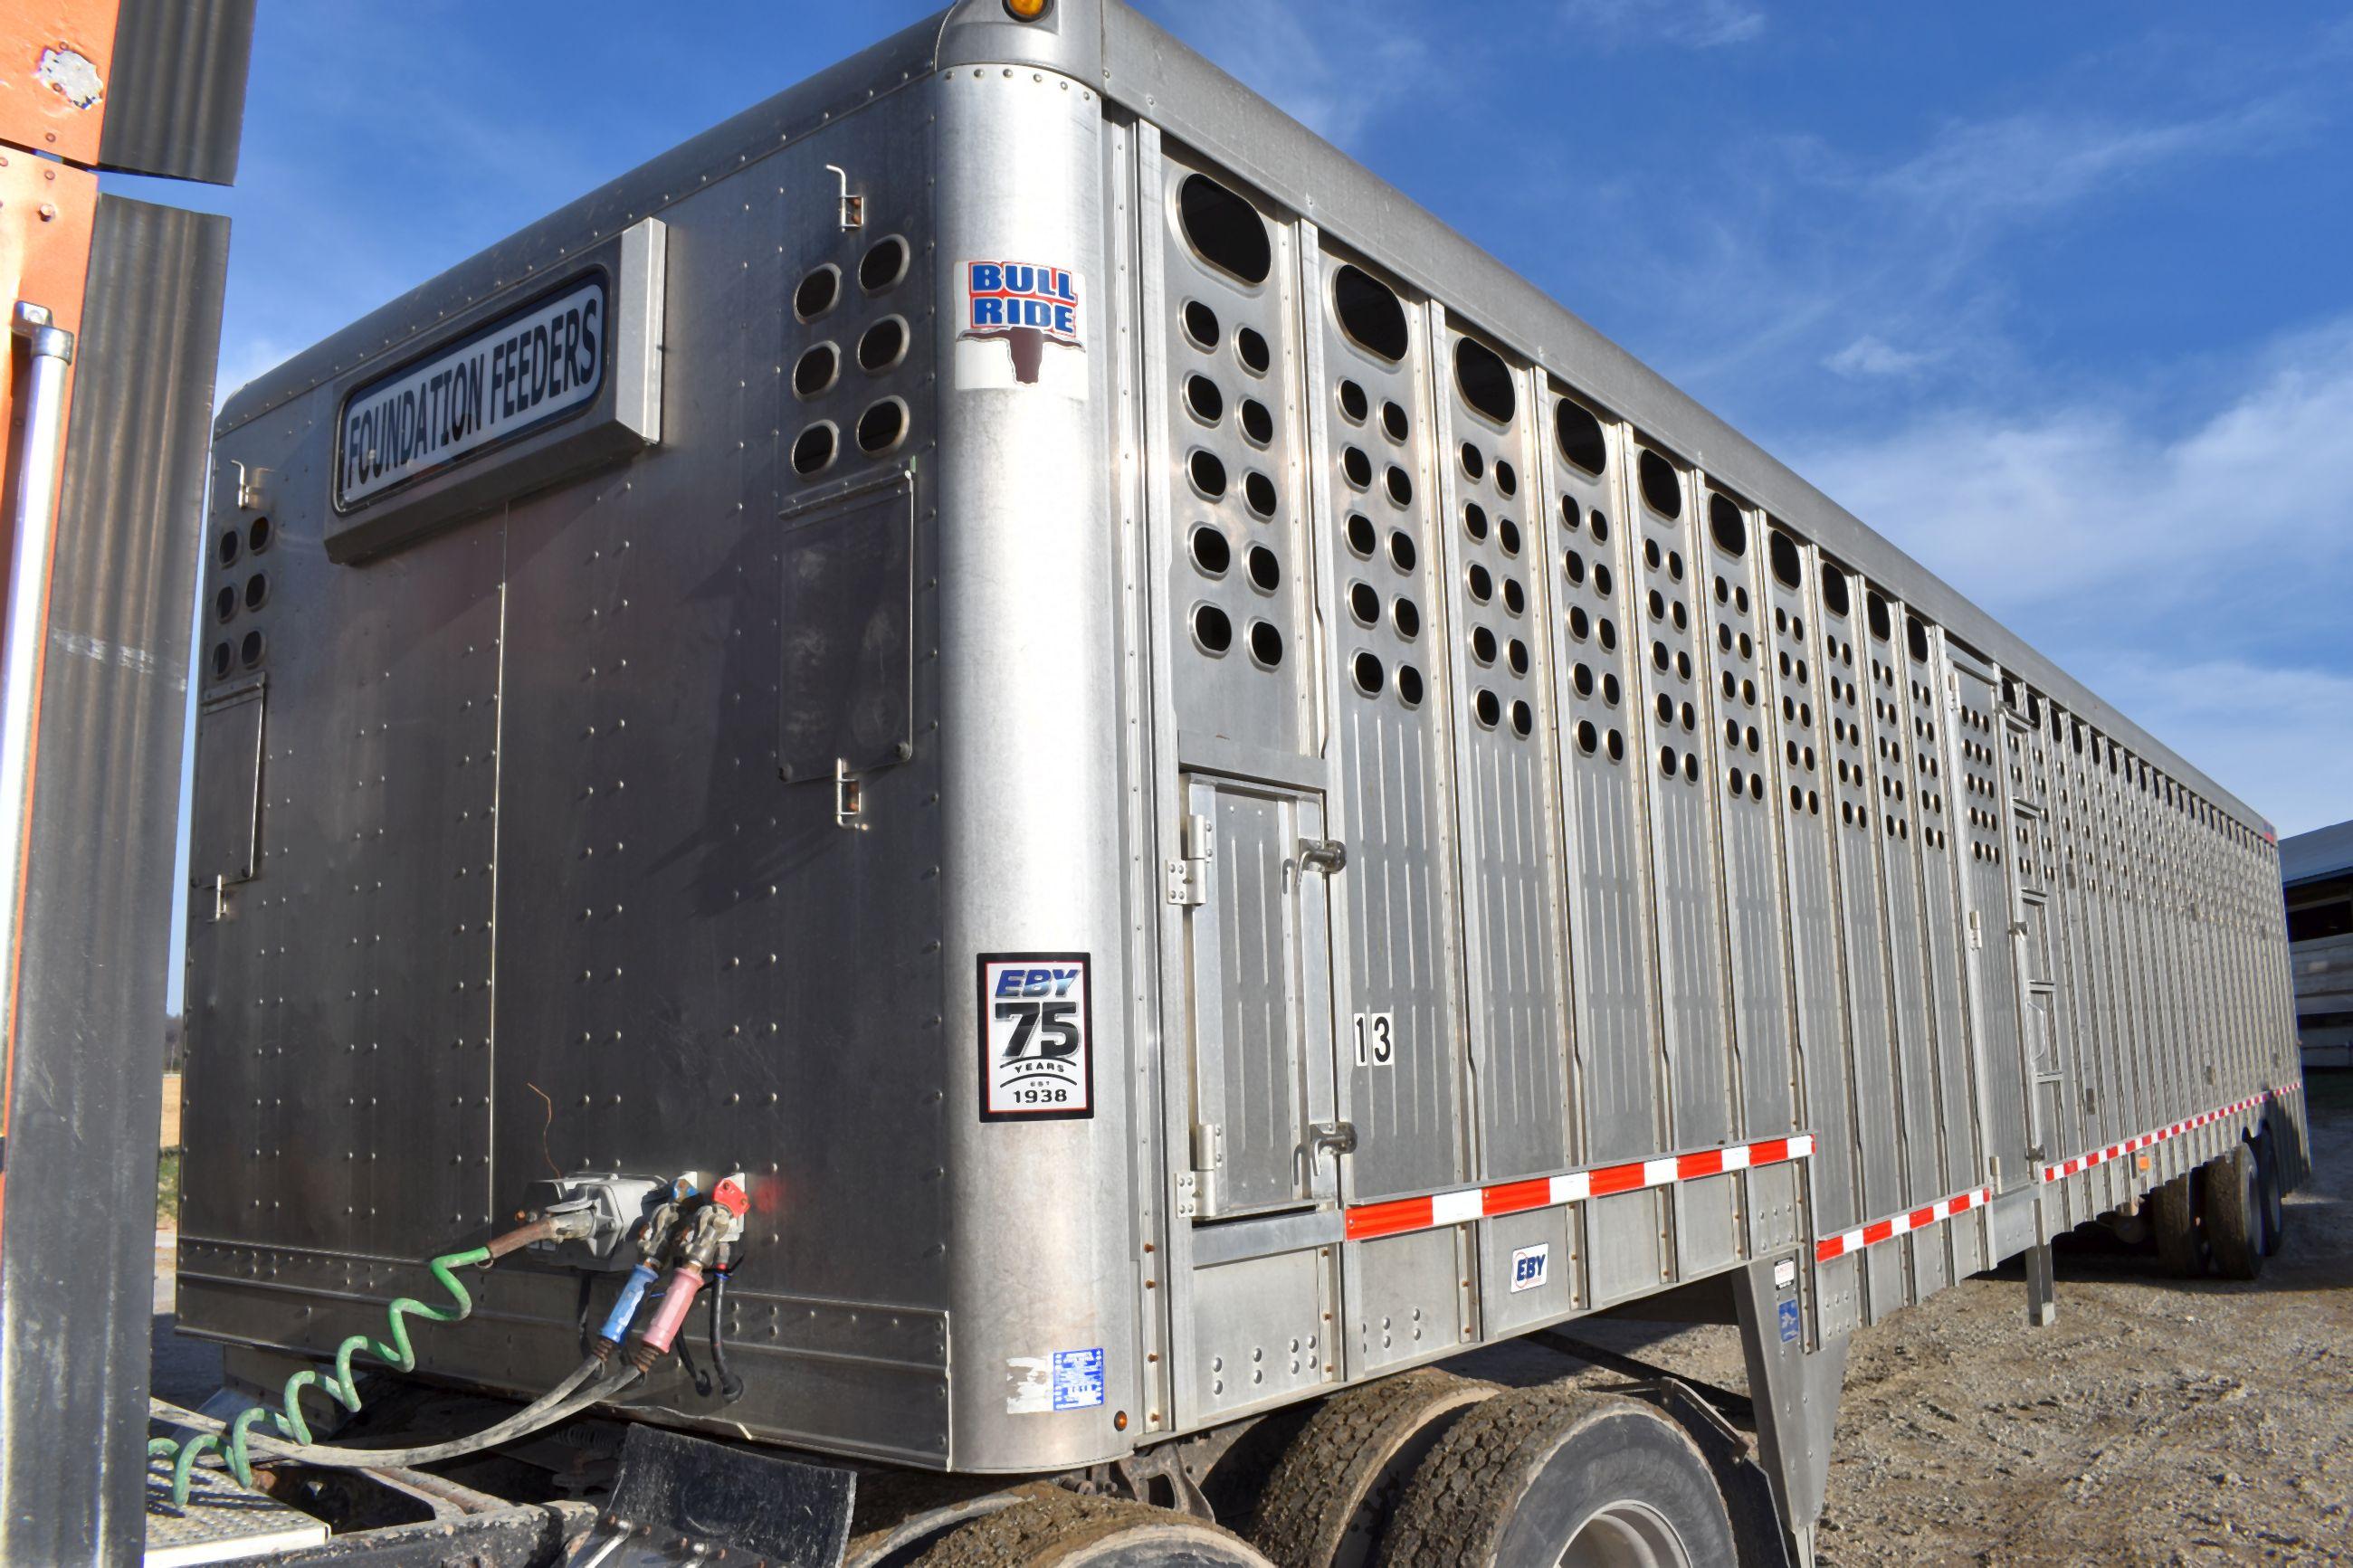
(1376, 1039)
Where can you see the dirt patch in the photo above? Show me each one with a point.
(2159, 1421)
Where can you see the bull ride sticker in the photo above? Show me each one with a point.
(1021, 325)
(523, 371)
(1036, 1028)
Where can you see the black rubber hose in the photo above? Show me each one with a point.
(731, 1387)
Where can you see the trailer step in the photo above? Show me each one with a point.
(223, 1521)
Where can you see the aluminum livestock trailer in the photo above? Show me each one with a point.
(1197, 796)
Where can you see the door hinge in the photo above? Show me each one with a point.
(1188, 874)
(1208, 1158)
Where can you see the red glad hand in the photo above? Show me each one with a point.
(733, 1198)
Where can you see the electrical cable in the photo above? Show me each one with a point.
(731, 1387)
(558, 1403)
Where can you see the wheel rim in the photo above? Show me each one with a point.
(1626, 1534)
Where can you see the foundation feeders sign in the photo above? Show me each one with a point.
(525, 370)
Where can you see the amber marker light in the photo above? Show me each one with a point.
(1028, 10)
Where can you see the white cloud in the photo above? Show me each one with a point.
(1872, 355)
(2193, 571)
(1689, 24)
(1331, 66)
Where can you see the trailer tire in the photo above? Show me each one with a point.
(1557, 1478)
(1053, 1529)
(2173, 1220)
(2275, 1193)
(1330, 1495)
(2230, 1194)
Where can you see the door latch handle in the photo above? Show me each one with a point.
(1340, 1137)
(1324, 854)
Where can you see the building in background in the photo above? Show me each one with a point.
(2317, 872)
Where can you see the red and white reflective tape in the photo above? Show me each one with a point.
(1396, 1216)
(2065, 1168)
(1880, 1230)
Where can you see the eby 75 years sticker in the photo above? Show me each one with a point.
(1037, 1029)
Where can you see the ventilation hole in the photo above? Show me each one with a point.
(883, 265)
(1756, 786)
(1223, 230)
(1394, 423)
(1600, 527)
(1523, 719)
(1658, 605)
(1666, 708)
(1690, 767)
(1651, 555)
(1353, 402)
(1785, 570)
(1508, 534)
(1211, 553)
(1487, 708)
(1211, 630)
(1580, 625)
(1401, 550)
(1482, 583)
(1515, 598)
(882, 345)
(1617, 747)
(231, 546)
(1607, 632)
(1571, 514)
(1662, 493)
(1201, 324)
(1474, 521)
(881, 427)
(1202, 396)
(1882, 627)
(257, 535)
(1515, 654)
(1578, 434)
(1407, 616)
(251, 650)
(1369, 313)
(1483, 645)
(225, 603)
(1667, 760)
(1258, 490)
(1400, 486)
(1257, 422)
(1610, 691)
(1209, 474)
(1363, 538)
(1357, 468)
(1737, 782)
(1587, 737)
(1474, 462)
(1252, 350)
(814, 450)
(1572, 566)
(1581, 677)
(1410, 688)
(1265, 569)
(816, 370)
(1484, 380)
(1834, 596)
(256, 591)
(818, 292)
(1728, 527)
(1507, 477)
(1265, 643)
(1370, 675)
(1916, 637)
(220, 659)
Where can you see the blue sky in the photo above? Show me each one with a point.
(2056, 296)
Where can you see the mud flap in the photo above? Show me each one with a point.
(681, 1495)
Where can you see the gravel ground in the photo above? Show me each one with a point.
(2159, 1421)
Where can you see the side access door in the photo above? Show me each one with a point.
(1258, 973)
(1989, 911)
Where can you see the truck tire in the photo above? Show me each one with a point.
(1053, 1529)
(2173, 1220)
(1557, 1478)
(1330, 1495)
(2273, 1186)
(2229, 1195)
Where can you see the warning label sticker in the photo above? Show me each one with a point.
(1037, 1060)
